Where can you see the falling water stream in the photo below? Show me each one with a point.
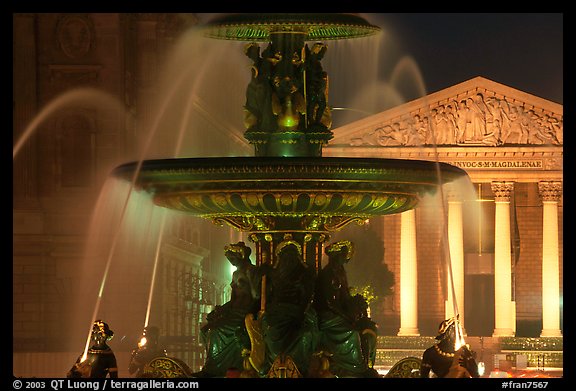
(84, 96)
(167, 101)
(378, 93)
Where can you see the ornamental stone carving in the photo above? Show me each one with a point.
(550, 190)
(502, 191)
(75, 35)
(476, 119)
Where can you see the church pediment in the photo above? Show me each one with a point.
(475, 112)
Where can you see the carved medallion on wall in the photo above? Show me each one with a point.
(75, 35)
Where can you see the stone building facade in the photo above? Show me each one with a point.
(83, 84)
(504, 227)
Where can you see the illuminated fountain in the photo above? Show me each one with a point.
(287, 194)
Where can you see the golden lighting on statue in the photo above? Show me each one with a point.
(142, 342)
(459, 333)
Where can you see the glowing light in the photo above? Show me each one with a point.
(232, 269)
(459, 334)
(481, 368)
(142, 342)
(290, 122)
(156, 258)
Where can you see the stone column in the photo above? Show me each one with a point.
(408, 275)
(503, 306)
(456, 245)
(550, 193)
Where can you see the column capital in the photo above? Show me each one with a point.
(550, 190)
(502, 191)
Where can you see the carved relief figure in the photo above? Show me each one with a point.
(75, 35)
(461, 121)
(546, 131)
(497, 119)
(474, 119)
(390, 135)
(442, 128)
(450, 113)
(415, 131)
(517, 131)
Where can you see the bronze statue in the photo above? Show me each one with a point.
(289, 322)
(148, 349)
(225, 335)
(348, 334)
(316, 87)
(100, 360)
(443, 360)
(258, 114)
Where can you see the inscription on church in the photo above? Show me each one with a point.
(499, 164)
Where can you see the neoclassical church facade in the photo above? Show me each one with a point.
(505, 237)
(490, 248)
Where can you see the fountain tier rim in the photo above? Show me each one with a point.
(315, 26)
(282, 187)
(293, 168)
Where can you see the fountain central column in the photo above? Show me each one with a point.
(286, 111)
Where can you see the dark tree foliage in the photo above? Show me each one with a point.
(367, 267)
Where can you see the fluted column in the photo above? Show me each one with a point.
(550, 193)
(503, 306)
(456, 246)
(408, 275)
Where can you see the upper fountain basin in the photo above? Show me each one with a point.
(316, 27)
(291, 187)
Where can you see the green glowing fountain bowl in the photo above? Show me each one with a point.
(302, 194)
(317, 27)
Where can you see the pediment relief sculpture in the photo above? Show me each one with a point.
(474, 119)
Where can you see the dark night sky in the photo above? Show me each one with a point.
(520, 50)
